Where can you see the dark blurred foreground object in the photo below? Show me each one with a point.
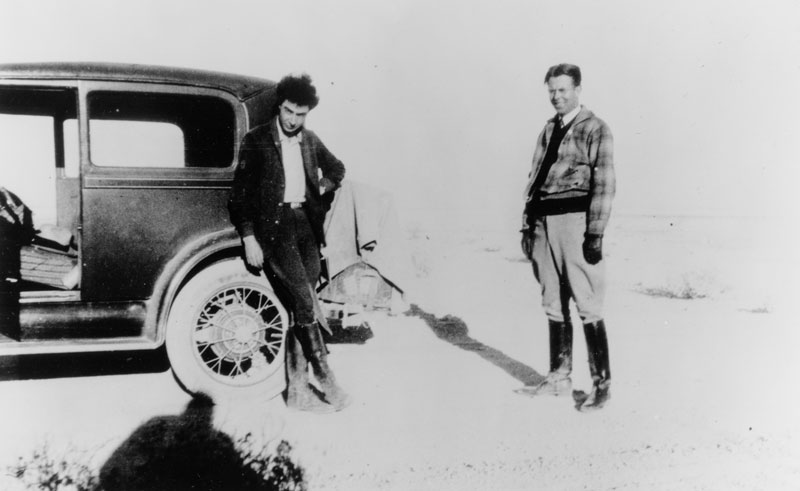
(16, 230)
(186, 452)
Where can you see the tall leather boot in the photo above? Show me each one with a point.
(300, 395)
(558, 381)
(314, 348)
(599, 366)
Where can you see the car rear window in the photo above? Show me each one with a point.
(160, 130)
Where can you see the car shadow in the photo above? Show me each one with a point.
(455, 331)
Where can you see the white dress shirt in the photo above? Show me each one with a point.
(567, 118)
(293, 170)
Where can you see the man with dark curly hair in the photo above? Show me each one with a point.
(568, 204)
(278, 206)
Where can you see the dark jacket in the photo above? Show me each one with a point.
(259, 182)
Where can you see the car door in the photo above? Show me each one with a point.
(160, 163)
(39, 167)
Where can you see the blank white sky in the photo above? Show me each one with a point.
(439, 102)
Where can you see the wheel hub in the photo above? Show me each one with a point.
(244, 330)
(236, 334)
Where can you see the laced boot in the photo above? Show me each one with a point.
(558, 381)
(300, 394)
(317, 354)
(599, 366)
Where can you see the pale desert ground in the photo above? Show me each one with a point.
(704, 394)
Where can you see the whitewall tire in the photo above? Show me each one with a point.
(226, 334)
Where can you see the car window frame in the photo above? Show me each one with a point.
(90, 169)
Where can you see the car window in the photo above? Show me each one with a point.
(162, 130)
(136, 144)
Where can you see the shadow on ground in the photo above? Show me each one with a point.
(186, 452)
(455, 331)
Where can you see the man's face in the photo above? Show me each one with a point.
(292, 117)
(563, 94)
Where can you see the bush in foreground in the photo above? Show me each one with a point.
(72, 470)
(183, 452)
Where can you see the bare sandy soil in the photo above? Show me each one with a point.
(704, 393)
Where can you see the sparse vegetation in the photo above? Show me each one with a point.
(46, 470)
(278, 471)
(682, 291)
(758, 310)
(73, 470)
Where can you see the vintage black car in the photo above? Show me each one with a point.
(126, 170)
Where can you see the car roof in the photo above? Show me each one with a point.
(241, 86)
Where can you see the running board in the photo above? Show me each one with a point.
(11, 347)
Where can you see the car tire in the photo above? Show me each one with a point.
(226, 334)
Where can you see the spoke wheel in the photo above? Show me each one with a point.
(226, 334)
(238, 335)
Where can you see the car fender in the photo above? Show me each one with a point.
(185, 263)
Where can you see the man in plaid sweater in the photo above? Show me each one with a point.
(568, 203)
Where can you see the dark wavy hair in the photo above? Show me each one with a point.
(299, 90)
(573, 71)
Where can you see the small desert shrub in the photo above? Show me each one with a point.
(764, 309)
(45, 470)
(685, 289)
(684, 293)
(278, 471)
(73, 471)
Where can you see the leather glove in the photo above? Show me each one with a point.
(593, 248)
(527, 244)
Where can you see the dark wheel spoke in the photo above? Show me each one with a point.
(263, 304)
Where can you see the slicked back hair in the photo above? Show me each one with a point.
(299, 90)
(572, 71)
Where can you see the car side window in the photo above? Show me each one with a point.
(160, 130)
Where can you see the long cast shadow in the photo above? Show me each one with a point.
(455, 331)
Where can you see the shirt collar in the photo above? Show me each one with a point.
(284, 138)
(567, 118)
